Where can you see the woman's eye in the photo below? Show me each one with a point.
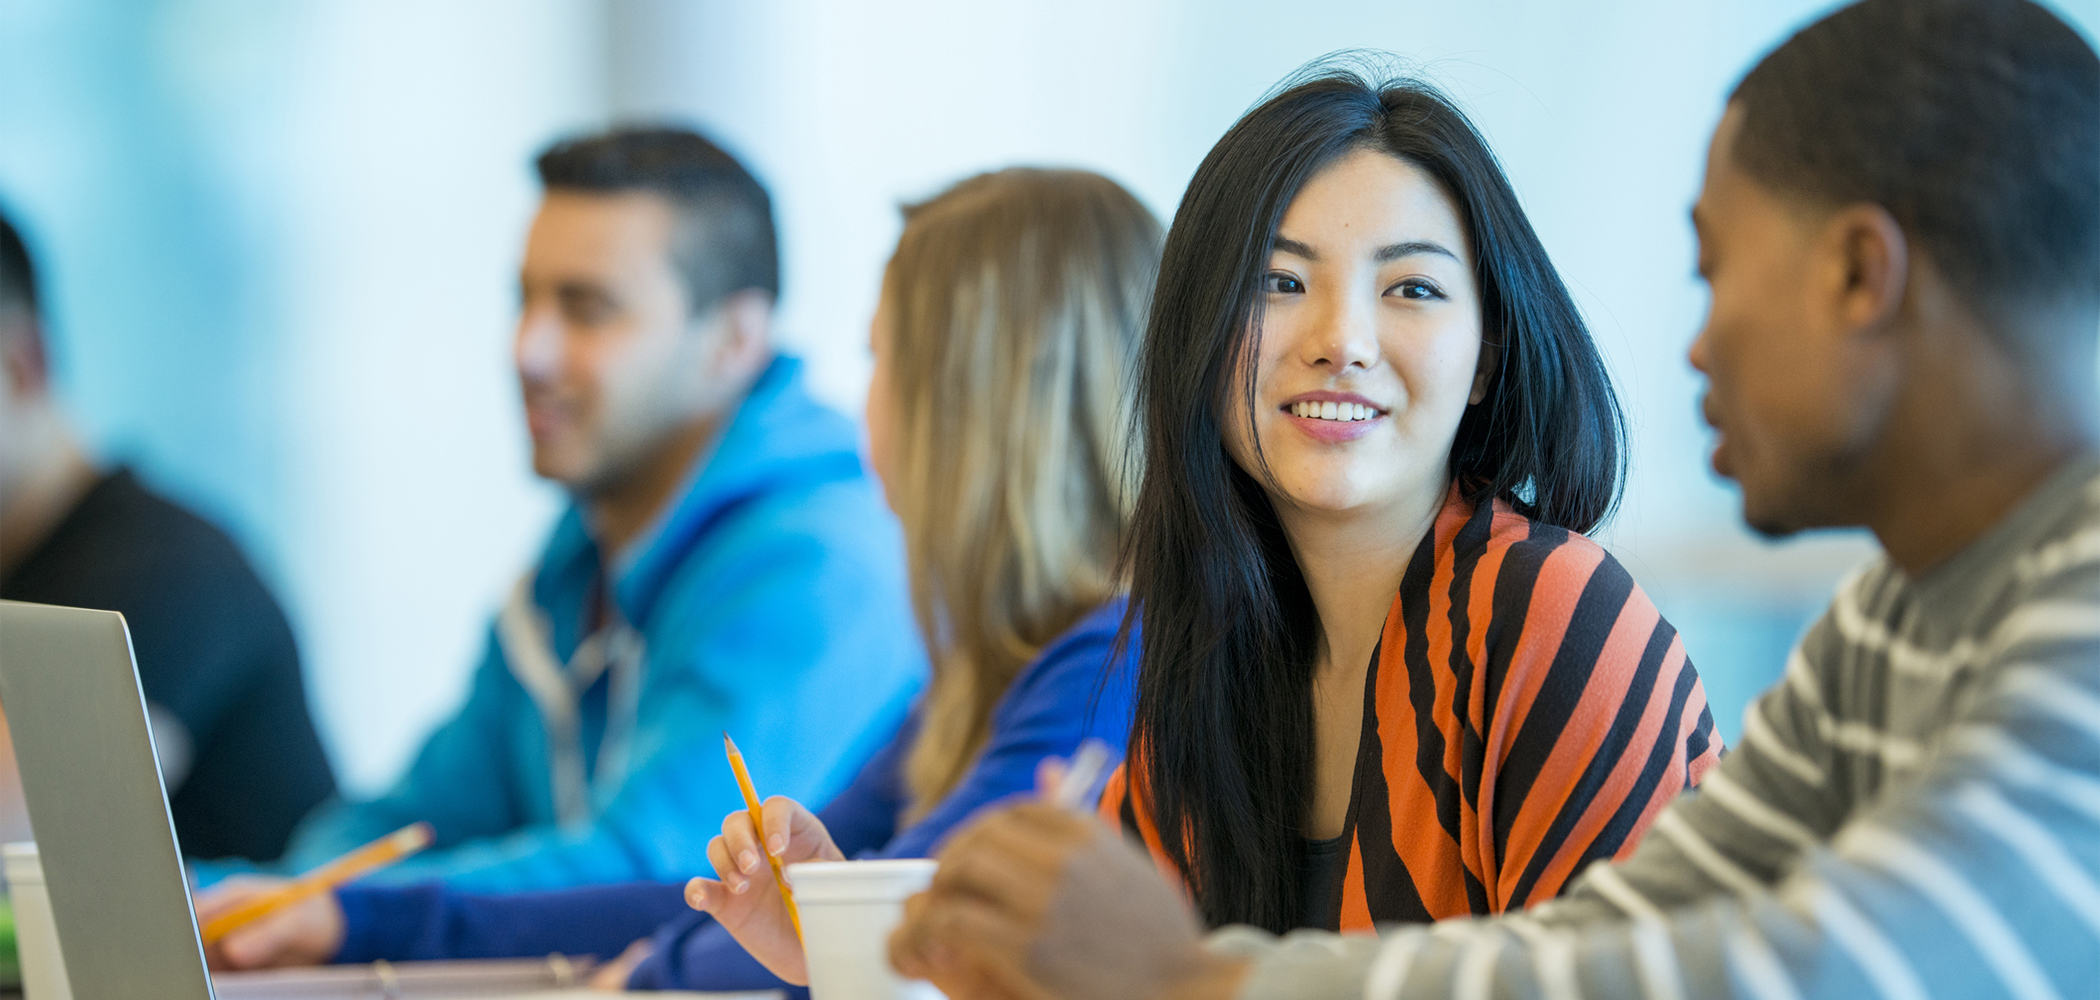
(1414, 289)
(1280, 283)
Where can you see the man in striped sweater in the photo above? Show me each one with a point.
(1901, 228)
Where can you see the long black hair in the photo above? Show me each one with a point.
(1223, 742)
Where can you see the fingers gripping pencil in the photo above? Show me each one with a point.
(363, 861)
(751, 804)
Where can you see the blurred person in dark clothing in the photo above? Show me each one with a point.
(237, 748)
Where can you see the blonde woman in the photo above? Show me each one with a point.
(997, 421)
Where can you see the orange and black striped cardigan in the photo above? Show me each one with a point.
(1528, 711)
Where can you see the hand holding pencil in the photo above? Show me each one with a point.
(308, 932)
(743, 897)
(250, 922)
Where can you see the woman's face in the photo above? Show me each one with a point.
(881, 413)
(1370, 345)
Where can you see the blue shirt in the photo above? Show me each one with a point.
(1076, 689)
(768, 602)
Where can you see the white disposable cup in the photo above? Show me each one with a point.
(36, 935)
(848, 910)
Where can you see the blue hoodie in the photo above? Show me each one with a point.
(769, 602)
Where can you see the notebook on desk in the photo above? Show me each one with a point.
(111, 864)
(552, 978)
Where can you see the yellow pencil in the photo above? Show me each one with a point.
(743, 784)
(375, 855)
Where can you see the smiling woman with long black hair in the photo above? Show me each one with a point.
(1385, 675)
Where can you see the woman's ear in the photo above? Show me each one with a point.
(1484, 373)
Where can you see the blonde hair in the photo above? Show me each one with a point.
(1016, 301)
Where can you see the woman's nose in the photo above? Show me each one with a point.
(1345, 335)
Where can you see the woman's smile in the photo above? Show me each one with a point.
(1333, 417)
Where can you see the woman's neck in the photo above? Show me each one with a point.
(1353, 562)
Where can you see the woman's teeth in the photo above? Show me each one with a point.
(1333, 411)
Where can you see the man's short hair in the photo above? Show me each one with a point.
(17, 271)
(726, 242)
(1975, 123)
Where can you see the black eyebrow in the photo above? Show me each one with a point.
(1285, 244)
(1382, 255)
(1411, 248)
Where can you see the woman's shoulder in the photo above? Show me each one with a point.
(1559, 614)
(1494, 536)
(1088, 644)
(1085, 660)
(1526, 587)
(1096, 626)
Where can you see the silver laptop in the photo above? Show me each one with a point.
(111, 864)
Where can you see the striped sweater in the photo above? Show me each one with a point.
(1527, 711)
(1914, 812)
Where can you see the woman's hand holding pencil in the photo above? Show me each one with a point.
(744, 898)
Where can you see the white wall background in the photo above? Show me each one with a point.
(281, 243)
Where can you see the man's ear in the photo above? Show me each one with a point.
(22, 361)
(746, 331)
(1872, 261)
(1484, 372)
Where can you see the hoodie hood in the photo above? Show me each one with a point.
(779, 440)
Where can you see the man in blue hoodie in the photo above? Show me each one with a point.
(725, 563)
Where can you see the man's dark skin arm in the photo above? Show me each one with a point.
(1034, 902)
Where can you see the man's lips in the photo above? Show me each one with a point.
(1718, 458)
(543, 419)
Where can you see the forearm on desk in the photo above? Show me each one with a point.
(695, 953)
(431, 922)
